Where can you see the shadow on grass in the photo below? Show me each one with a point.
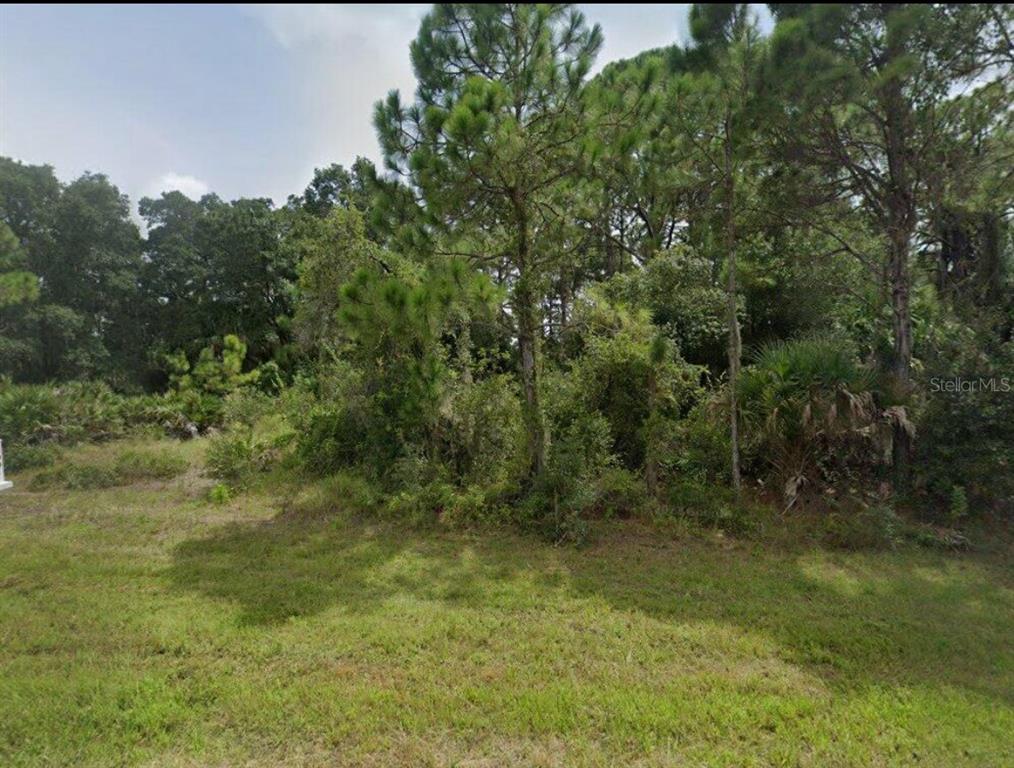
(895, 618)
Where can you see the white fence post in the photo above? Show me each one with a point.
(4, 484)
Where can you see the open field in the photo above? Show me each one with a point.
(142, 625)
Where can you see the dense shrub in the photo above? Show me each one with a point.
(74, 412)
(966, 430)
(244, 449)
(619, 492)
(247, 407)
(475, 505)
(28, 413)
(685, 302)
(876, 527)
(230, 456)
(631, 375)
(563, 494)
(696, 448)
(422, 505)
(24, 457)
(485, 437)
(331, 439)
(196, 400)
(68, 413)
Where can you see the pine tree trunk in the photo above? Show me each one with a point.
(651, 446)
(735, 343)
(528, 332)
(900, 215)
(525, 307)
(902, 328)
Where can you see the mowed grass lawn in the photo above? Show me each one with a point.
(142, 625)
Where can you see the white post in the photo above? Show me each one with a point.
(4, 484)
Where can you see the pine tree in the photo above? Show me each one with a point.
(496, 135)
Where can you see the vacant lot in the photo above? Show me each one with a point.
(142, 625)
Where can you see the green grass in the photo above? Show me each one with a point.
(130, 465)
(145, 625)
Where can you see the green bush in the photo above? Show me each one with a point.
(485, 440)
(966, 437)
(198, 392)
(421, 506)
(698, 448)
(230, 456)
(188, 413)
(247, 407)
(563, 494)
(75, 412)
(627, 372)
(331, 439)
(877, 527)
(693, 498)
(958, 507)
(619, 492)
(91, 412)
(236, 455)
(679, 289)
(22, 457)
(220, 494)
(474, 506)
(28, 414)
(335, 426)
(68, 413)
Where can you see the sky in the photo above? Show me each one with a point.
(244, 101)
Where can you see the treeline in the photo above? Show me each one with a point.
(741, 262)
(86, 295)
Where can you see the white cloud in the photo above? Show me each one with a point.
(191, 186)
(295, 25)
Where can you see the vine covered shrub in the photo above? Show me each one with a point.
(563, 494)
(631, 375)
(332, 440)
(485, 439)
